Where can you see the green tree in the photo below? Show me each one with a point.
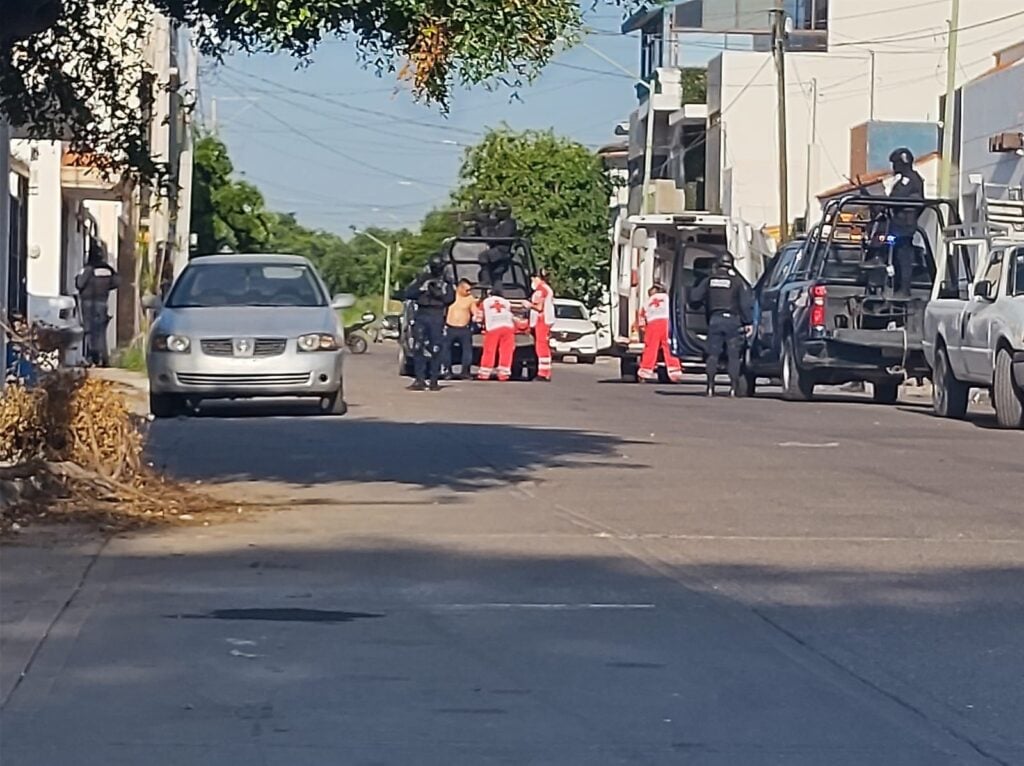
(226, 212)
(75, 63)
(417, 247)
(559, 195)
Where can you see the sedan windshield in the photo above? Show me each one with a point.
(1017, 285)
(246, 284)
(568, 311)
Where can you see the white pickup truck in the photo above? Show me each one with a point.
(974, 327)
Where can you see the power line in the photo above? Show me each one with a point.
(360, 109)
(334, 150)
(909, 38)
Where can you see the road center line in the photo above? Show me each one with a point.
(498, 606)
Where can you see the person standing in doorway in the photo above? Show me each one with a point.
(95, 283)
(542, 316)
(654, 318)
(728, 302)
(499, 337)
(458, 330)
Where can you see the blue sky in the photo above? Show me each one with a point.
(340, 146)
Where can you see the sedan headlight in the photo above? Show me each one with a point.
(174, 344)
(318, 342)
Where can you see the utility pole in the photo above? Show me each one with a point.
(213, 114)
(811, 147)
(5, 239)
(871, 103)
(387, 279)
(949, 115)
(779, 35)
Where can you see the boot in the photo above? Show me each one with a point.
(417, 385)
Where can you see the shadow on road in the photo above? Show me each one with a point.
(797, 665)
(984, 420)
(308, 451)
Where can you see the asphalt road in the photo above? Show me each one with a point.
(577, 573)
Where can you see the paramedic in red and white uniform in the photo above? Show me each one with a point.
(499, 337)
(542, 316)
(654, 318)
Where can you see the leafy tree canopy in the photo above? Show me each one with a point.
(75, 64)
(559, 194)
(232, 213)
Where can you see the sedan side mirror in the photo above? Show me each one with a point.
(343, 301)
(983, 290)
(152, 303)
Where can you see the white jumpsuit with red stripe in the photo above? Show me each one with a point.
(499, 339)
(654, 317)
(540, 322)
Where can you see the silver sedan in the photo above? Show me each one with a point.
(242, 326)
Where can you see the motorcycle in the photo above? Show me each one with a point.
(357, 335)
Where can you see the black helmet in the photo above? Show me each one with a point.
(902, 157)
(726, 260)
(435, 265)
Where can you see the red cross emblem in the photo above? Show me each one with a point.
(656, 302)
(497, 306)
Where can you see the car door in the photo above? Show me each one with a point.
(767, 294)
(978, 318)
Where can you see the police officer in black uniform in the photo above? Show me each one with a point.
(728, 303)
(94, 284)
(497, 258)
(432, 291)
(903, 221)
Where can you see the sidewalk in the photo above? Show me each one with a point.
(134, 385)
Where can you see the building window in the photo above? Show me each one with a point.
(808, 15)
(652, 47)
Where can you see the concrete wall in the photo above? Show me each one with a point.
(992, 104)
(744, 147)
(45, 226)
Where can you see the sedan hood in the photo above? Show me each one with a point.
(246, 321)
(582, 326)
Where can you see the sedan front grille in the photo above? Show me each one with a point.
(264, 347)
(243, 379)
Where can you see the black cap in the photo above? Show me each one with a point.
(902, 156)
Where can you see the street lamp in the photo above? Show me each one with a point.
(387, 264)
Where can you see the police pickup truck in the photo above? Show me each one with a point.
(467, 257)
(974, 324)
(831, 311)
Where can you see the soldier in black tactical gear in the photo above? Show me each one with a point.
(497, 259)
(433, 292)
(728, 303)
(94, 284)
(903, 221)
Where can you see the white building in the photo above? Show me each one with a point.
(885, 61)
(990, 135)
(142, 229)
